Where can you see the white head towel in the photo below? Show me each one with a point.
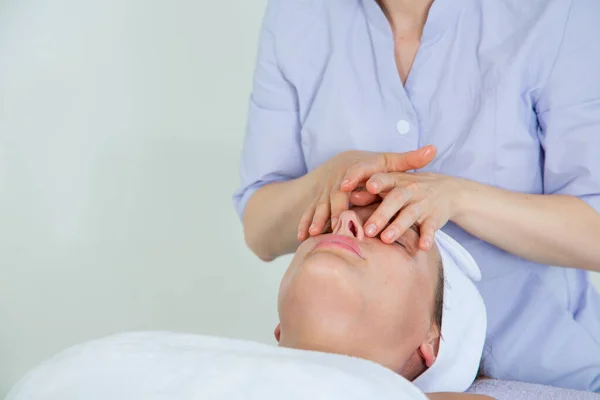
(464, 323)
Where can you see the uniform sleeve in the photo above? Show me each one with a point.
(271, 150)
(569, 109)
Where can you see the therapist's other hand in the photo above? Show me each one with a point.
(425, 199)
(330, 200)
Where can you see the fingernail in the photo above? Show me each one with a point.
(345, 182)
(334, 223)
(312, 227)
(375, 185)
(427, 243)
(391, 235)
(299, 236)
(371, 229)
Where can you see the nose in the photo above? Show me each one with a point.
(349, 225)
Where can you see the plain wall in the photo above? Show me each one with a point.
(121, 123)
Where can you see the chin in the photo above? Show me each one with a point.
(326, 276)
(329, 261)
(319, 306)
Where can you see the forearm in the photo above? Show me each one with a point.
(549, 229)
(272, 215)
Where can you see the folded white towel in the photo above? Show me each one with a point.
(464, 323)
(162, 365)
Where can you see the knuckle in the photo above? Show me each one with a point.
(323, 202)
(413, 187)
(336, 192)
(429, 227)
(401, 225)
(307, 216)
(379, 219)
(375, 219)
(386, 160)
(412, 213)
(398, 194)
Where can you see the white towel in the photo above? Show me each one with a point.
(171, 366)
(464, 323)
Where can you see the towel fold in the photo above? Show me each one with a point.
(163, 365)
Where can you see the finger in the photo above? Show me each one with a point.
(416, 159)
(393, 202)
(361, 171)
(305, 222)
(407, 218)
(382, 182)
(364, 213)
(387, 162)
(340, 202)
(363, 198)
(322, 213)
(427, 233)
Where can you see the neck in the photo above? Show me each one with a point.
(406, 15)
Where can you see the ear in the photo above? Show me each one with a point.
(277, 332)
(427, 353)
(429, 349)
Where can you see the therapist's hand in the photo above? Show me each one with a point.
(329, 198)
(425, 199)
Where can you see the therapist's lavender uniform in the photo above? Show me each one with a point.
(508, 91)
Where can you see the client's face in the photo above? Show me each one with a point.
(350, 294)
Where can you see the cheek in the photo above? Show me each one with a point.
(391, 276)
(396, 293)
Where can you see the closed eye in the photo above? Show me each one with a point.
(401, 244)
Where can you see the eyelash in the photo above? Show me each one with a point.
(400, 243)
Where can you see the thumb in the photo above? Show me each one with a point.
(416, 159)
(387, 162)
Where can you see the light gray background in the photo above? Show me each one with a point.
(121, 123)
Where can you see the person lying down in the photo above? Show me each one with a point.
(358, 319)
(416, 313)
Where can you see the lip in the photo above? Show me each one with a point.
(343, 242)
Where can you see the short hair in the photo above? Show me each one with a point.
(439, 296)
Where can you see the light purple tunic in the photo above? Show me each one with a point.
(508, 91)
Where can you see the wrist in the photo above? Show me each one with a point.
(309, 185)
(464, 191)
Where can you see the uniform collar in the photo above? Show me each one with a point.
(441, 14)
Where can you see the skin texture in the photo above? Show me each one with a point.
(378, 306)
(407, 19)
